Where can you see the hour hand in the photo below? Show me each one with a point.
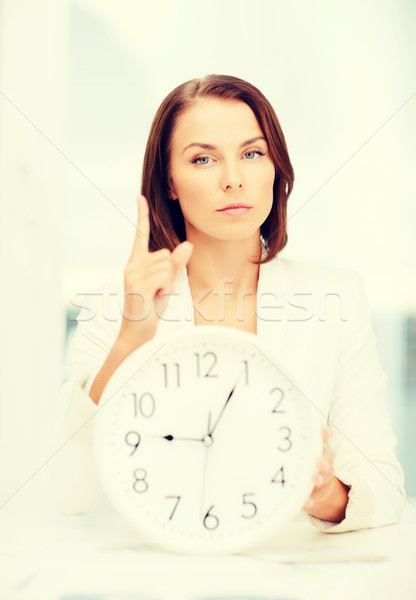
(171, 438)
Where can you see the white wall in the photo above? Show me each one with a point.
(33, 100)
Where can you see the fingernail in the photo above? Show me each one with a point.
(325, 467)
(308, 504)
(319, 479)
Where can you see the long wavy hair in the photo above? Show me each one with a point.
(167, 226)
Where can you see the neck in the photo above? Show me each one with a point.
(215, 263)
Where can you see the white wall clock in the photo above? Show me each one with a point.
(203, 444)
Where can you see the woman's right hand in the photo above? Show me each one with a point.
(148, 280)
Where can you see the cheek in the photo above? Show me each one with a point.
(191, 194)
(268, 177)
(193, 188)
(262, 180)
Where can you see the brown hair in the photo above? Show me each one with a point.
(167, 227)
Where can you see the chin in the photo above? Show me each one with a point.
(239, 236)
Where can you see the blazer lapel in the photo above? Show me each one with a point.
(271, 306)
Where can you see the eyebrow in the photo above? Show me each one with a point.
(211, 147)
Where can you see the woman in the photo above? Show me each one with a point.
(211, 222)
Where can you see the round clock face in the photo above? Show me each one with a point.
(202, 444)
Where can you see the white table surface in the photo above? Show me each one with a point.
(79, 558)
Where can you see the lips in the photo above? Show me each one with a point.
(235, 210)
(234, 206)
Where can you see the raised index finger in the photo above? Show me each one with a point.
(141, 239)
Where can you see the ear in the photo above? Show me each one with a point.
(171, 191)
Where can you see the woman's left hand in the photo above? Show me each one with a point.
(329, 497)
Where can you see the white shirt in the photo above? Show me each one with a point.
(317, 323)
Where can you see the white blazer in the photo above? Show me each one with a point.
(317, 323)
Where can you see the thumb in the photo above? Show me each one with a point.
(181, 255)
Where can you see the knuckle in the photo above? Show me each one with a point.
(127, 272)
(130, 268)
(165, 268)
(158, 257)
(165, 278)
(163, 253)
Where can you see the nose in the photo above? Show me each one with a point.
(231, 178)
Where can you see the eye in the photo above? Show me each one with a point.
(201, 160)
(253, 154)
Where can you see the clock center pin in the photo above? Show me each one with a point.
(207, 440)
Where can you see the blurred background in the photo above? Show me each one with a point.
(80, 81)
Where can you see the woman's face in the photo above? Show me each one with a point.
(219, 158)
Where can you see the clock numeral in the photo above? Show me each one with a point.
(132, 439)
(140, 484)
(177, 498)
(287, 446)
(146, 405)
(178, 379)
(280, 394)
(211, 522)
(246, 370)
(247, 503)
(211, 359)
(279, 477)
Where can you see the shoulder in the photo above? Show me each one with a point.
(322, 289)
(299, 272)
(298, 277)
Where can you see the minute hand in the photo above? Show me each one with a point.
(223, 408)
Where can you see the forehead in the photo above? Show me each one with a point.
(216, 121)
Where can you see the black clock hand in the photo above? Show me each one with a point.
(170, 438)
(204, 472)
(223, 408)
